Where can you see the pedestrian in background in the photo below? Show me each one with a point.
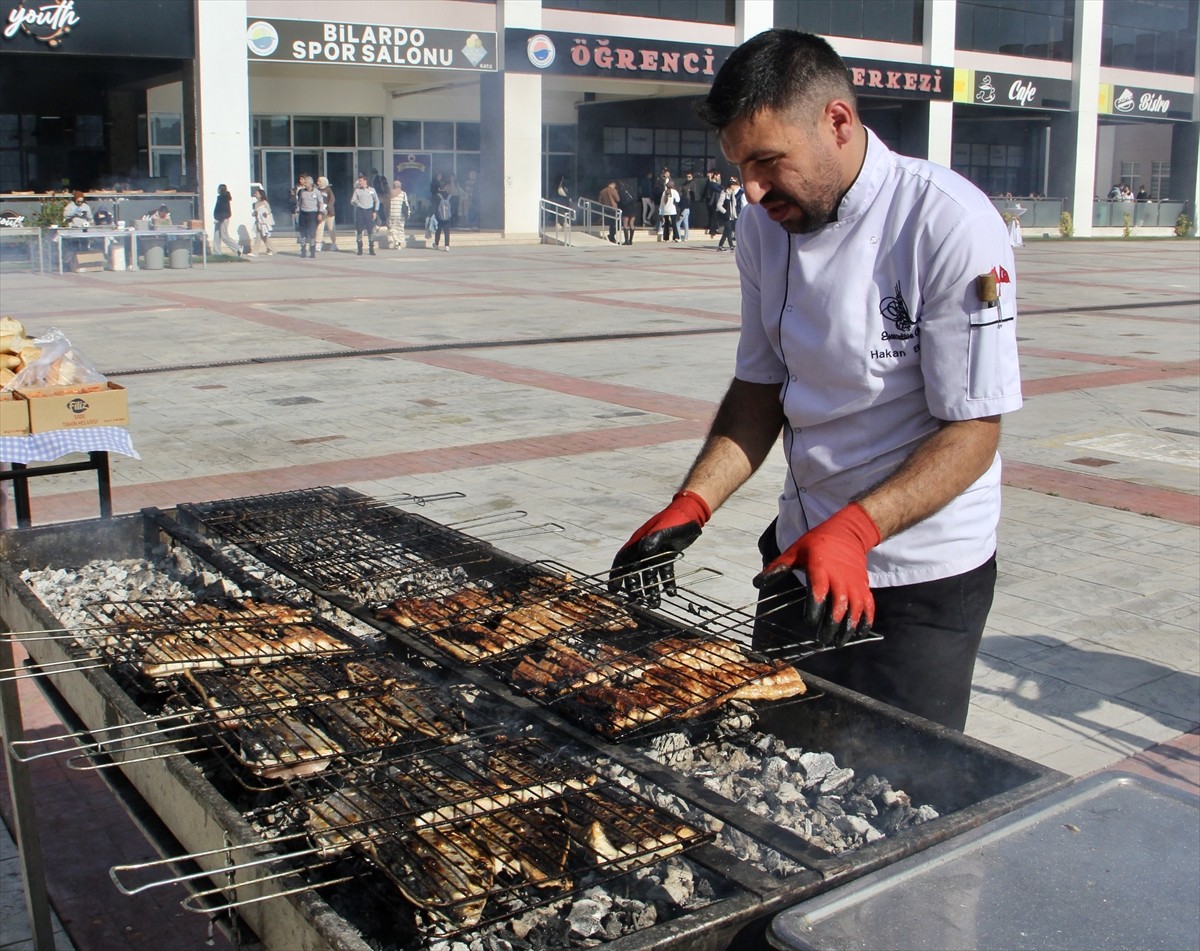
(264, 222)
(611, 198)
(222, 212)
(329, 226)
(398, 211)
(668, 210)
(310, 209)
(728, 207)
(442, 213)
(687, 199)
(365, 202)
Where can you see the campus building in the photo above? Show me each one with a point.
(1054, 98)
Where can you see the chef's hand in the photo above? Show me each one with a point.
(646, 563)
(834, 558)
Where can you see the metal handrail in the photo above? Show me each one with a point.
(563, 217)
(597, 216)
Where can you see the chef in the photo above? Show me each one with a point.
(878, 336)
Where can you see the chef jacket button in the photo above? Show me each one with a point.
(790, 307)
(803, 490)
(793, 377)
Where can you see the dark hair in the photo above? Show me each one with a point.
(778, 70)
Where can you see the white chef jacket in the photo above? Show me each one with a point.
(874, 329)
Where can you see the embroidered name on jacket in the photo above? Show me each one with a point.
(894, 309)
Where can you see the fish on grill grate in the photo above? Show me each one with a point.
(474, 625)
(673, 677)
(282, 747)
(202, 636)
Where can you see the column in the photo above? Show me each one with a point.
(222, 90)
(511, 133)
(1085, 105)
(752, 17)
(938, 49)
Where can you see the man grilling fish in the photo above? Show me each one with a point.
(878, 335)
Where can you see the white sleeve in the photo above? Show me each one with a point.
(757, 358)
(968, 350)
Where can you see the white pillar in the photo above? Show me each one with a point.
(752, 17)
(223, 109)
(522, 109)
(1085, 103)
(938, 50)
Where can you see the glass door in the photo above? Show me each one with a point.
(277, 180)
(340, 170)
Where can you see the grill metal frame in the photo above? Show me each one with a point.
(967, 781)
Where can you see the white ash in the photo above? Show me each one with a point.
(803, 790)
(596, 914)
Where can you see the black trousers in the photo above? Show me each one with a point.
(931, 633)
(364, 221)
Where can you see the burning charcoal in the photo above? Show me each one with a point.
(637, 914)
(829, 807)
(816, 767)
(674, 749)
(926, 812)
(523, 924)
(739, 760)
(853, 825)
(601, 897)
(836, 779)
(496, 943)
(890, 797)
(584, 917)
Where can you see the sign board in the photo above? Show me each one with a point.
(982, 87)
(388, 46)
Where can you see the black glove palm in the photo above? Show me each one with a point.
(645, 565)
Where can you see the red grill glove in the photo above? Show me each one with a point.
(834, 558)
(645, 565)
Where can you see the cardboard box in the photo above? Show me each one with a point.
(14, 415)
(86, 261)
(64, 407)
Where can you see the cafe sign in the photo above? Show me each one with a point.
(1121, 100)
(622, 57)
(47, 23)
(370, 44)
(983, 87)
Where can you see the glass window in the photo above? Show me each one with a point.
(560, 138)
(370, 132)
(272, 131)
(666, 141)
(10, 131)
(1160, 180)
(897, 21)
(1041, 29)
(337, 131)
(614, 140)
(166, 129)
(466, 136)
(89, 132)
(693, 142)
(439, 136)
(1155, 35)
(696, 11)
(640, 141)
(406, 134)
(168, 165)
(306, 132)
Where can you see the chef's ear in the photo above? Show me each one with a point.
(841, 117)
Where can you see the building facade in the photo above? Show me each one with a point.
(1029, 98)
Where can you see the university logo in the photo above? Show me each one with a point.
(540, 50)
(262, 38)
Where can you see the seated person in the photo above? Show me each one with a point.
(161, 218)
(77, 214)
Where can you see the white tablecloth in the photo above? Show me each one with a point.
(46, 447)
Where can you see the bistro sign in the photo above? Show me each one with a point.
(364, 44)
(982, 87)
(569, 54)
(1120, 100)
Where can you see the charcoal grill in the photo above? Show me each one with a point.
(967, 781)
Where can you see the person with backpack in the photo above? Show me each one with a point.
(442, 213)
(365, 201)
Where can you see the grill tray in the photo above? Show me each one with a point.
(968, 782)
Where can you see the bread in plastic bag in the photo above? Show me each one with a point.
(52, 361)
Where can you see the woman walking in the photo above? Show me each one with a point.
(264, 222)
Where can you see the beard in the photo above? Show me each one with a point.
(818, 208)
